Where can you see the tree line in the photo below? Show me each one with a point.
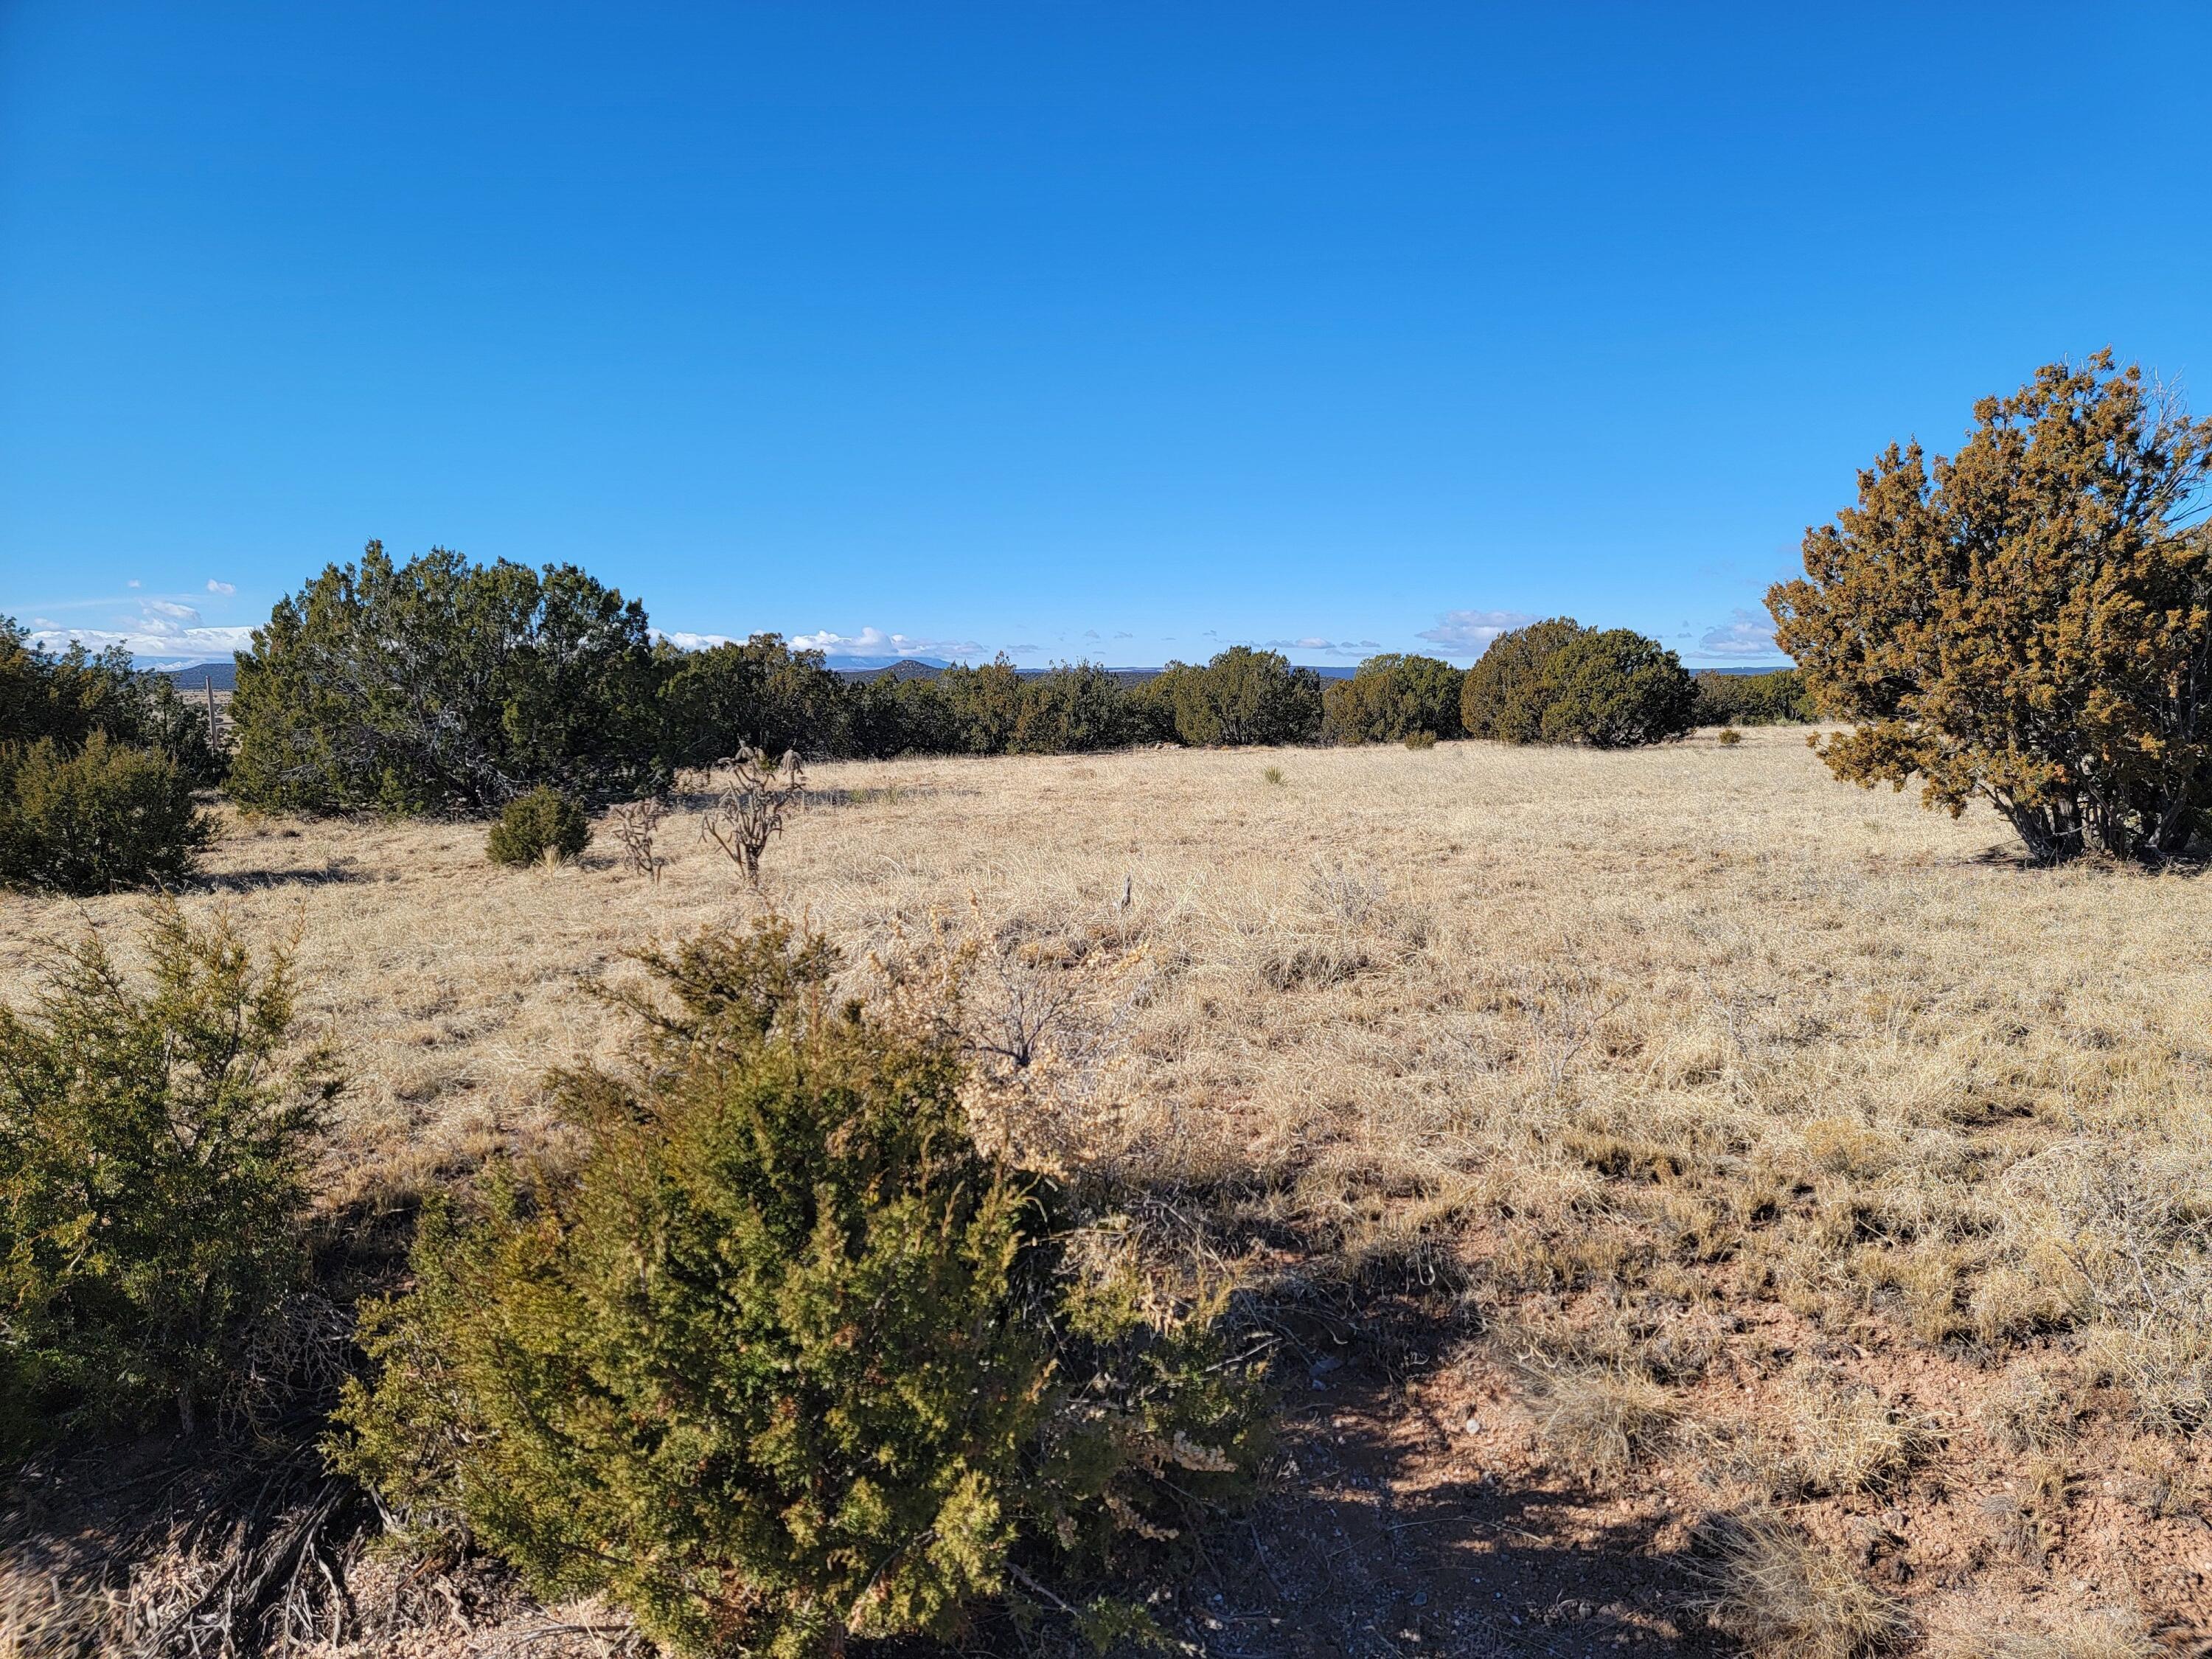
(440, 686)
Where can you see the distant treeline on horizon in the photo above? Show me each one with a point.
(440, 686)
(222, 674)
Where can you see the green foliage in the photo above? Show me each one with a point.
(1241, 696)
(1728, 737)
(983, 705)
(1778, 698)
(1500, 697)
(438, 685)
(1615, 689)
(1073, 708)
(153, 1152)
(1558, 682)
(104, 817)
(69, 697)
(2030, 622)
(1391, 698)
(762, 694)
(785, 1359)
(996, 709)
(532, 826)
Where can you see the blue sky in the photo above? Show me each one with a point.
(1115, 331)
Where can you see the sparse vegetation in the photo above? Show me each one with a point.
(1831, 1169)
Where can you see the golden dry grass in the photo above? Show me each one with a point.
(1690, 1062)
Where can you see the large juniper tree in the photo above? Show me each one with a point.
(2029, 622)
(442, 685)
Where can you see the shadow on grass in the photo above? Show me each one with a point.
(257, 881)
(1380, 1537)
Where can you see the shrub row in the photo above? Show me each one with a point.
(1776, 699)
(69, 696)
(438, 685)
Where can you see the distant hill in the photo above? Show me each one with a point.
(195, 675)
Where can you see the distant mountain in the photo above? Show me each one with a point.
(196, 675)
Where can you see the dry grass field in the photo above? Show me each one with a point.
(1701, 1201)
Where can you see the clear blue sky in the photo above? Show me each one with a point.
(1112, 330)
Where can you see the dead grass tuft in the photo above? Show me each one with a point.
(1787, 1596)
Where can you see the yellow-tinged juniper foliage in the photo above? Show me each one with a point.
(152, 1145)
(96, 818)
(2028, 622)
(785, 1360)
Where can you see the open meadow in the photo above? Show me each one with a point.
(1694, 1201)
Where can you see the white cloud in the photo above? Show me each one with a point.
(161, 631)
(1327, 648)
(683, 641)
(1745, 634)
(133, 582)
(1472, 631)
(214, 587)
(874, 642)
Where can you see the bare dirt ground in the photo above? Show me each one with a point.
(1701, 1202)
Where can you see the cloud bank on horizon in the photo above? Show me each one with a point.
(153, 628)
(166, 630)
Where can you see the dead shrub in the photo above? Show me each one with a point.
(1602, 1419)
(1984, 1627)
(634, 825)
(748, 806)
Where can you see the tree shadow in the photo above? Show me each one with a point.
(262, 881)
(1382, 1537)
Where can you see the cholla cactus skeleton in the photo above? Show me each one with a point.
(749, 806)
(634, 823)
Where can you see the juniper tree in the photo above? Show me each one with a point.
(786, 1360)
(2029, 622)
